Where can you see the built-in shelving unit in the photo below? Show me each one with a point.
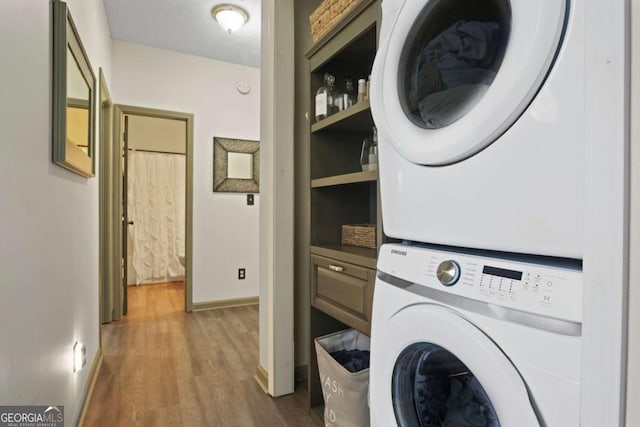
(341, 276)
(347, 178)
(353, 119)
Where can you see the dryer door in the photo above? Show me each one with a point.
(443, 371)
(451, 76)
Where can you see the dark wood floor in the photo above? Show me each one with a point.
(165, 367)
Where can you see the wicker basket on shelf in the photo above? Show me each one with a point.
(327, 15)
(363, 235)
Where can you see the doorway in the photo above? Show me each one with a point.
(141, 138)
(155, 199)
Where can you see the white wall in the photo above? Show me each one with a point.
(277, 175)
(225, 229)
(633, 356)
(48, 217)
(157, 134)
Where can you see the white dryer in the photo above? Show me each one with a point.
(479, 110)
(462, 339)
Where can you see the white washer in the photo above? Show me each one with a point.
(499, 342)
(485, 151)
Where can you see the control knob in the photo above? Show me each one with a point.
(448, 272)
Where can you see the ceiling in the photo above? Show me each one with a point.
(187, 26)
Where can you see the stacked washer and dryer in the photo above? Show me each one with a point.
(477, 314)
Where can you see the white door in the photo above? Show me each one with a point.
(440, 370)
(451, 76)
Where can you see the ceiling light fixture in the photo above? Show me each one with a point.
(229, 16)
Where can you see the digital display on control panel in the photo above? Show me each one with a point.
(501, 272)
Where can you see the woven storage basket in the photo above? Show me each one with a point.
(327, 15)
(363, 235)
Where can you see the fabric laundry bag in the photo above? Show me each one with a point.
(345, 393)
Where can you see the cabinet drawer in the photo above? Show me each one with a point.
(342, 290)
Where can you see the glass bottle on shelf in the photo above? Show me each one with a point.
(362, 89)
(324, 98)
(338, 101)
(350, 92)
(367, 93)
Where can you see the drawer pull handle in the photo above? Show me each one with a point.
(336, 268)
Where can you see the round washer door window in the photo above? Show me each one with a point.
(446, 67)
(451, 76)
(430, 366)
(431, 387)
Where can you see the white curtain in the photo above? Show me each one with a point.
(156, 205)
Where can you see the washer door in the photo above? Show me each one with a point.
(451, 76)
(440, 370)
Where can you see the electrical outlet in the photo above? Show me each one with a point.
(241, 274)
(250, 199)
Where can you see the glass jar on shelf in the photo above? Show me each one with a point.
(369, 153)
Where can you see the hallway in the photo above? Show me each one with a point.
(164, 367)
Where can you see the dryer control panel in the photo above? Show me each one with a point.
(542, 289)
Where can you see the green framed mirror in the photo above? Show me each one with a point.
(74, 91)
